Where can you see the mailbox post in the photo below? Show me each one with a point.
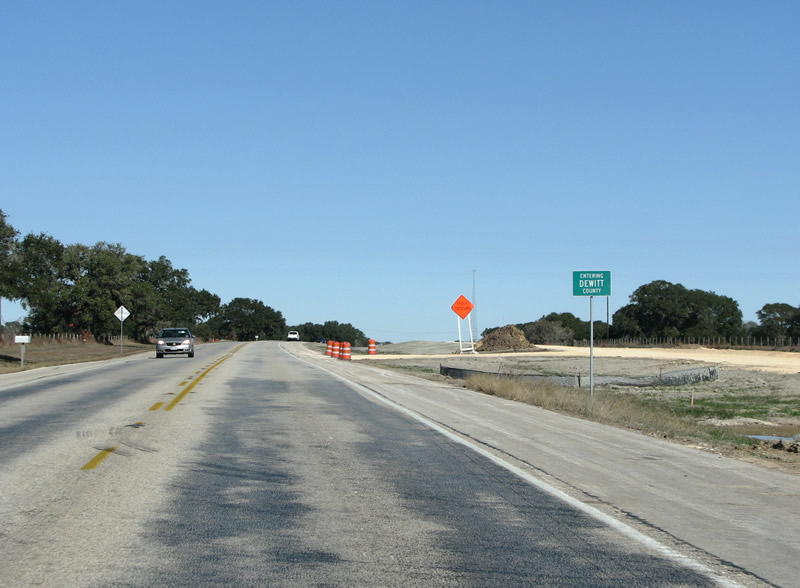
(22, 340)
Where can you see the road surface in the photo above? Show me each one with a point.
(266, 463)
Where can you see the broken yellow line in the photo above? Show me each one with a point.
(185, 391)
(98, 459)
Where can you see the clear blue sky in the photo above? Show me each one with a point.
(356, 161)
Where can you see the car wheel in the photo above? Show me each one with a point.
(159, 355)
(191, 354)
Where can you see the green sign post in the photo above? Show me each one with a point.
(591, 284)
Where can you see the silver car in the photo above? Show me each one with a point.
(175, 341)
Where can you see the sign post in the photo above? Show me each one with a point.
(462, 307)
(121, 313)
(591, 284)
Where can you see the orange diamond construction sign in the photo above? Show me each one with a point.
(462, 307)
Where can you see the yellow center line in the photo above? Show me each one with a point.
(185, 391)
(97, 459)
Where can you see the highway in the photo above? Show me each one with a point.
(268, 464)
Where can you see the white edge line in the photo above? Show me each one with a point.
(615, 524)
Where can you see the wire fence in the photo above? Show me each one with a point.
(674, 378)
(744, 342)
(7, 339)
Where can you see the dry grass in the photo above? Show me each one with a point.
(55, 353)
(608, 407)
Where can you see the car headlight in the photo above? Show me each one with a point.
(160, 342)
(186, 341)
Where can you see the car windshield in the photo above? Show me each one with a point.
(174, 333)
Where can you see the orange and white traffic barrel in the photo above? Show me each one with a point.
(345, 351)
(335, 350)
(371, 349)
(329, 349)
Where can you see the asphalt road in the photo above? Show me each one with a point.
(265, 464)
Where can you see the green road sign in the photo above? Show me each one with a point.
(597, 283)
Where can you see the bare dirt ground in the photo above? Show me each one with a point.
(754, 372)
(575, 357)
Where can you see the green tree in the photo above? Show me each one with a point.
(9, 268)
(245, 319)
(204, 305)
(331, 331)
(624, 323)
(172, 300)
(547, 331)
(662, 309)
(152, 309)
(794, 325)
(579, 328)
(104, 277)
(78, 287)
(309, 332)
(41, 286)
(344, 332)
(775, 319)
(713, 315)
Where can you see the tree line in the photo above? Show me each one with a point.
(77, 288)
(664, 310)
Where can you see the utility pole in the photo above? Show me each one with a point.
(475, 311)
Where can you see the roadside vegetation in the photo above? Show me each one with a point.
(672, 418)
